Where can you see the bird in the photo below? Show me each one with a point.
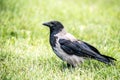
(70, 49)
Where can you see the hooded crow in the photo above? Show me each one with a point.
(70, 49)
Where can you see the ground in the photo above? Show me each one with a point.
(25, 53)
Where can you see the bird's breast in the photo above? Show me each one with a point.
(58, 51)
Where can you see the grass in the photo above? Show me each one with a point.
(25, 53)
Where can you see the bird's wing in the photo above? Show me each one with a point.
(78, 48)
(91, 47)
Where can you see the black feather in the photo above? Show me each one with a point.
(91, 47)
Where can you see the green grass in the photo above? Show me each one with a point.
(25, 53)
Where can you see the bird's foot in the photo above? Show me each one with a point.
(70, 66)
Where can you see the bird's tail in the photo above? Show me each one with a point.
(106, 59)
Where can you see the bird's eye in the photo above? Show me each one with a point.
(52, 23)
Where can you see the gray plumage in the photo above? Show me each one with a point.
(71, 50)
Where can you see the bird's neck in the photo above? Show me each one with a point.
(54, 32)
(53, 37)
(61, 32)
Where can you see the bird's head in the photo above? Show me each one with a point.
(54, 25)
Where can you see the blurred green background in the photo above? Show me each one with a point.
(25, 53)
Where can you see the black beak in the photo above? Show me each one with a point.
(46, 24)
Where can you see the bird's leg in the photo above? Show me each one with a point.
(64, 67)
(70, 66)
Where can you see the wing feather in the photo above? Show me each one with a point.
(78, 48)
